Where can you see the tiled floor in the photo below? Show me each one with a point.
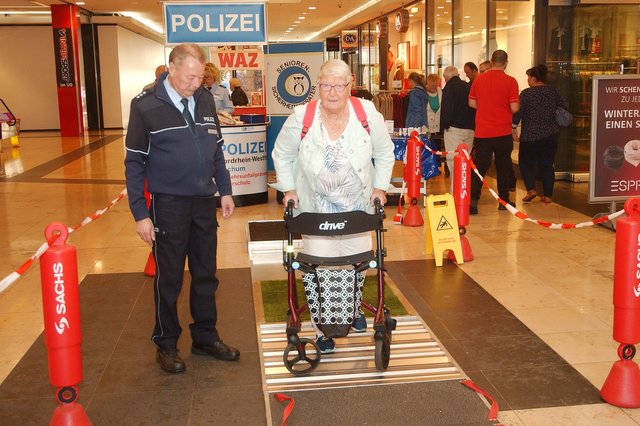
(557, 283)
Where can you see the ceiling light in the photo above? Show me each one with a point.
(414, 10)
(26, 12)
(467, 17)
(312, 8)
(296, 22)
(80, 3)
(440, 7)
(344, 18)
(300, 17)
(137, 17)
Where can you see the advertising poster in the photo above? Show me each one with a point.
(65, 75)
(245, 154)
(615, 138)
(292, 70)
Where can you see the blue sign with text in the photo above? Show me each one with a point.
(215, 23)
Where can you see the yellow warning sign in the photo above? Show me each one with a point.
(442, 227)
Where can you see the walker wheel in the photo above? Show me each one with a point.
(67, 394)
(298, 360)
(383, 351)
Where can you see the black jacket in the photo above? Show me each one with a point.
(239, 98)
(161, 148)
(456, 111)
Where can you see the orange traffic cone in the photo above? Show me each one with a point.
(150, 267)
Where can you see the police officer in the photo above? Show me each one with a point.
(174, 141)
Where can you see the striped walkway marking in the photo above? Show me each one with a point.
(415, 357)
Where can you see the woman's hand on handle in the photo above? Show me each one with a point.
(290, 195)
(380, 194)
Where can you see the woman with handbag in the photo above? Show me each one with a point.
(539, 133)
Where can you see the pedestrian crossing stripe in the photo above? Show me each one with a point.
(443, 224)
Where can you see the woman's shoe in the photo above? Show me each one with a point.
(546, 199)
(529, 197)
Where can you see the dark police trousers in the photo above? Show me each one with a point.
(485, 149)
(185, 227)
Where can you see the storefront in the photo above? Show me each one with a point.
(583, 41)
(576, 41)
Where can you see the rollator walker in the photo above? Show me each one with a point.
(302, 355)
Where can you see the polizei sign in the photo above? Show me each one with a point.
(215, 23)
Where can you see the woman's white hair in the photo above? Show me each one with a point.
(335, 68)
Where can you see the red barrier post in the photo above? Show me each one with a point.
(462, 199)
(622, 386)
(62, 331)
(413, 217)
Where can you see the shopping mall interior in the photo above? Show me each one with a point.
(520, 333)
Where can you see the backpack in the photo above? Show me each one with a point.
(310, 113)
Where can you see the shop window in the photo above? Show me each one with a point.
(470, 41)
(511, 29)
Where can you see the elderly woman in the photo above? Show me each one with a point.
(211, 82)
(338, 166)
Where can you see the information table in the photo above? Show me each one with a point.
(245, 152)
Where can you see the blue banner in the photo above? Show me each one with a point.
(215, 23)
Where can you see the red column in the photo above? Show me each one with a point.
(64, 21)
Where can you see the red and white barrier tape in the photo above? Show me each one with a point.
(520, 215)
(12, 277)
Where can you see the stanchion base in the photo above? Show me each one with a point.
(70, 415)
(622, 386)
(150, 267)
(467, 253)
(413, 217)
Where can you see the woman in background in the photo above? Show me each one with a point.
(539, 133)
(238, 97)
(417, 106)
(211, 82)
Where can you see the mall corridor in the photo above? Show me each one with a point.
(529, 319)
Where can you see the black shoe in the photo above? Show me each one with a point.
(170, 361)
(501, 207)
(217, 350)
(473, 207)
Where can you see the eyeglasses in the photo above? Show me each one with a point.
(326, 87)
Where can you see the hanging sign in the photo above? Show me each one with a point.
(615, 138)
(382, 27)
(215, 23)
(349, 39)
(402, 20)
(239, 59)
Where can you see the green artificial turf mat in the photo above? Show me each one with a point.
(275, 301)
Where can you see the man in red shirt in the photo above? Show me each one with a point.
(495, 96)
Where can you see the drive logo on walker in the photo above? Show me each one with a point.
(215, 23)
(293, 86)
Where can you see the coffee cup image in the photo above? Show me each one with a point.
(632, 152)
(613, 157)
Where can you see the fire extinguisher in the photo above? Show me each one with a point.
(61, 306)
